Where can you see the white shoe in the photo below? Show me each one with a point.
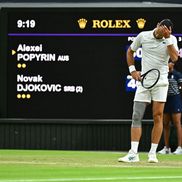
(165, 150)
(152, 158)
(178, 150)
(130, 157)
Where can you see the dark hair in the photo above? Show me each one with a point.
(167, 22)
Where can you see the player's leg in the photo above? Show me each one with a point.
(136, 127)
(176, 110)
(136, 131)
(167, 120)
(158, 108)
(177, 123)
(166, 133)
(181, 135)
(159, 95)
(141, 100)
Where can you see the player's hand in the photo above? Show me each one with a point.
(136, 75)
(166, 31)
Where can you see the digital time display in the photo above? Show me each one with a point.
(26, 24)
(70, 63)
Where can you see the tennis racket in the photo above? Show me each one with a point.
(150, 78)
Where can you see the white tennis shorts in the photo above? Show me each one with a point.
(157, 93)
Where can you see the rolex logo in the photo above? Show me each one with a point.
(82, 23)
(141, 23)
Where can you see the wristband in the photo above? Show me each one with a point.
(168, 41)
(132, 68)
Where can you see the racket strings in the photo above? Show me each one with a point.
(150, 79)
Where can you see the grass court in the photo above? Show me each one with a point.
(87, 166)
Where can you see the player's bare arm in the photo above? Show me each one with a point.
(173, 53)
(171, 49)
(163, 31)
(130, 61)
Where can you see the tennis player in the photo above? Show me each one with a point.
(158, 46)
(173, 110)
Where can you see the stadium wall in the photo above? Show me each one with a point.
(69, 135)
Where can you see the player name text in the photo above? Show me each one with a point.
(26, 48)
(42, 57)
(22, 78)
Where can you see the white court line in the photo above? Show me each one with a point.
(26, 162)
(92, 179)
(164, 166)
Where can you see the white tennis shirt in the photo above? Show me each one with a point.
(154, 51)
